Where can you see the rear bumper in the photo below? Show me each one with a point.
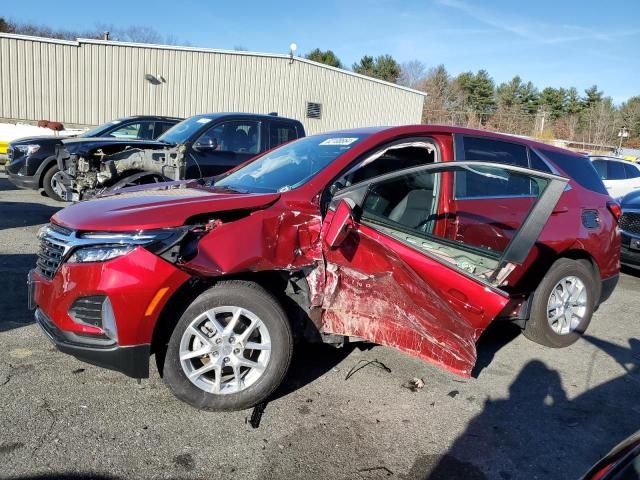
(133, 361)
(24, 181)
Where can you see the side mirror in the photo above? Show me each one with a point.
(341, 223)
(204, 145)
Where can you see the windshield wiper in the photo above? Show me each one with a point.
(230, 188)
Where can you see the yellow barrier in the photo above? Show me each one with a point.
(3, 148)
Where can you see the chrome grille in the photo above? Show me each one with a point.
(630, 222)
(53, 248)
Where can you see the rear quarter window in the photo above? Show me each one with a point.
(578, 168)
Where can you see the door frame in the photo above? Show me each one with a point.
(523, 240)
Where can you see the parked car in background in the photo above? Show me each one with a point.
(370, 234)
(630, 229)
(619, 176)
(32, 160)
(198, 147)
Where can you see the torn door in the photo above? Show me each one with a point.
(392, 281)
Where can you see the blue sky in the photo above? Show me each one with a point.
(550, 42)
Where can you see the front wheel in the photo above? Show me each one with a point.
(230, 349)
(53, 184)
(562, 304)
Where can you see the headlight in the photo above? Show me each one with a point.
(27, 149)
(105, 246)
(99, 254)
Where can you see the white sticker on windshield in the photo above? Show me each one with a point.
(203, 120)
(338, 141)
(115, 122)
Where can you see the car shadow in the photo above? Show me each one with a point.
(13, 285)
(25, 214)
(538, 430)
(5, 184)
(493, 339)
(633, 271)
(311, 361)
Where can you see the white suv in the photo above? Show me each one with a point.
(619, 176)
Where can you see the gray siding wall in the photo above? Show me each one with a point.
(89, 82)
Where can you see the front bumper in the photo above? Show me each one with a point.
(138, 285)
(24, 181)
(630, 249)
(133, 361)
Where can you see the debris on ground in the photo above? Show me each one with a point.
(453, 393)
(414, 384)
(256, 415)
(364, 363)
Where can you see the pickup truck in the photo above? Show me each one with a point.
(200, 146)
(32, 160)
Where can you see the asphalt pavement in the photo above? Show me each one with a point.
(528, 412)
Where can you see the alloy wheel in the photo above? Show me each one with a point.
(567, 305)
(225, 350)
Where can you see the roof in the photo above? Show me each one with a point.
(152, 117)
(422, 128)
(206, 50)
(261, 116)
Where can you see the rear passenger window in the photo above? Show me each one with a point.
(282, 133)
(615, 171)
(578, 168)
(631, 170)
(489, 150)
(601, 168)
(161, 127)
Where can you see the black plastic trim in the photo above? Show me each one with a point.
(133, 360)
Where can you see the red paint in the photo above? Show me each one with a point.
(371, 286)
(130, 281)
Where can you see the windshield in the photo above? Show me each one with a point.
(183, 131)
(100, 129)
(291, 165)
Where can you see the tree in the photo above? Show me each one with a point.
(324, 56)
(553, 101)
(412, 74)
(478, 90)
(6, 26)
(383, 67)
(592, 97)
(630, 117)
(444, 100)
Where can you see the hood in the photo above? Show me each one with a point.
(84, 145)
(39, 140)
(167, 206)
(631, 200)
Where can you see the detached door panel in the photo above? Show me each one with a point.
(396, 281)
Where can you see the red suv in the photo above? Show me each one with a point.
(370, 234)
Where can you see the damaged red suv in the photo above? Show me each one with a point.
(369, 234)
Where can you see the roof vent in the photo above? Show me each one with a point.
(314, 110)
(273, 114)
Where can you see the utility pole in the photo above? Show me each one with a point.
(623, 133)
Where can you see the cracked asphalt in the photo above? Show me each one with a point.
(529, 412)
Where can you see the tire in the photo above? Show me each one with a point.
(541, 326)
(47, 183)
(257, 383)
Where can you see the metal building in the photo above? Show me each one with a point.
(87, 82)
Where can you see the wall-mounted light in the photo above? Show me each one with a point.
(292, 48)
(152, 79)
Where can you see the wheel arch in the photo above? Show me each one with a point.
(290, 289)
(47, 164)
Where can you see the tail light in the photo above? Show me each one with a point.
(615, 209)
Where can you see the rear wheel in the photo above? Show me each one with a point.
(562, 304)
(52, 183)
(230, 349)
